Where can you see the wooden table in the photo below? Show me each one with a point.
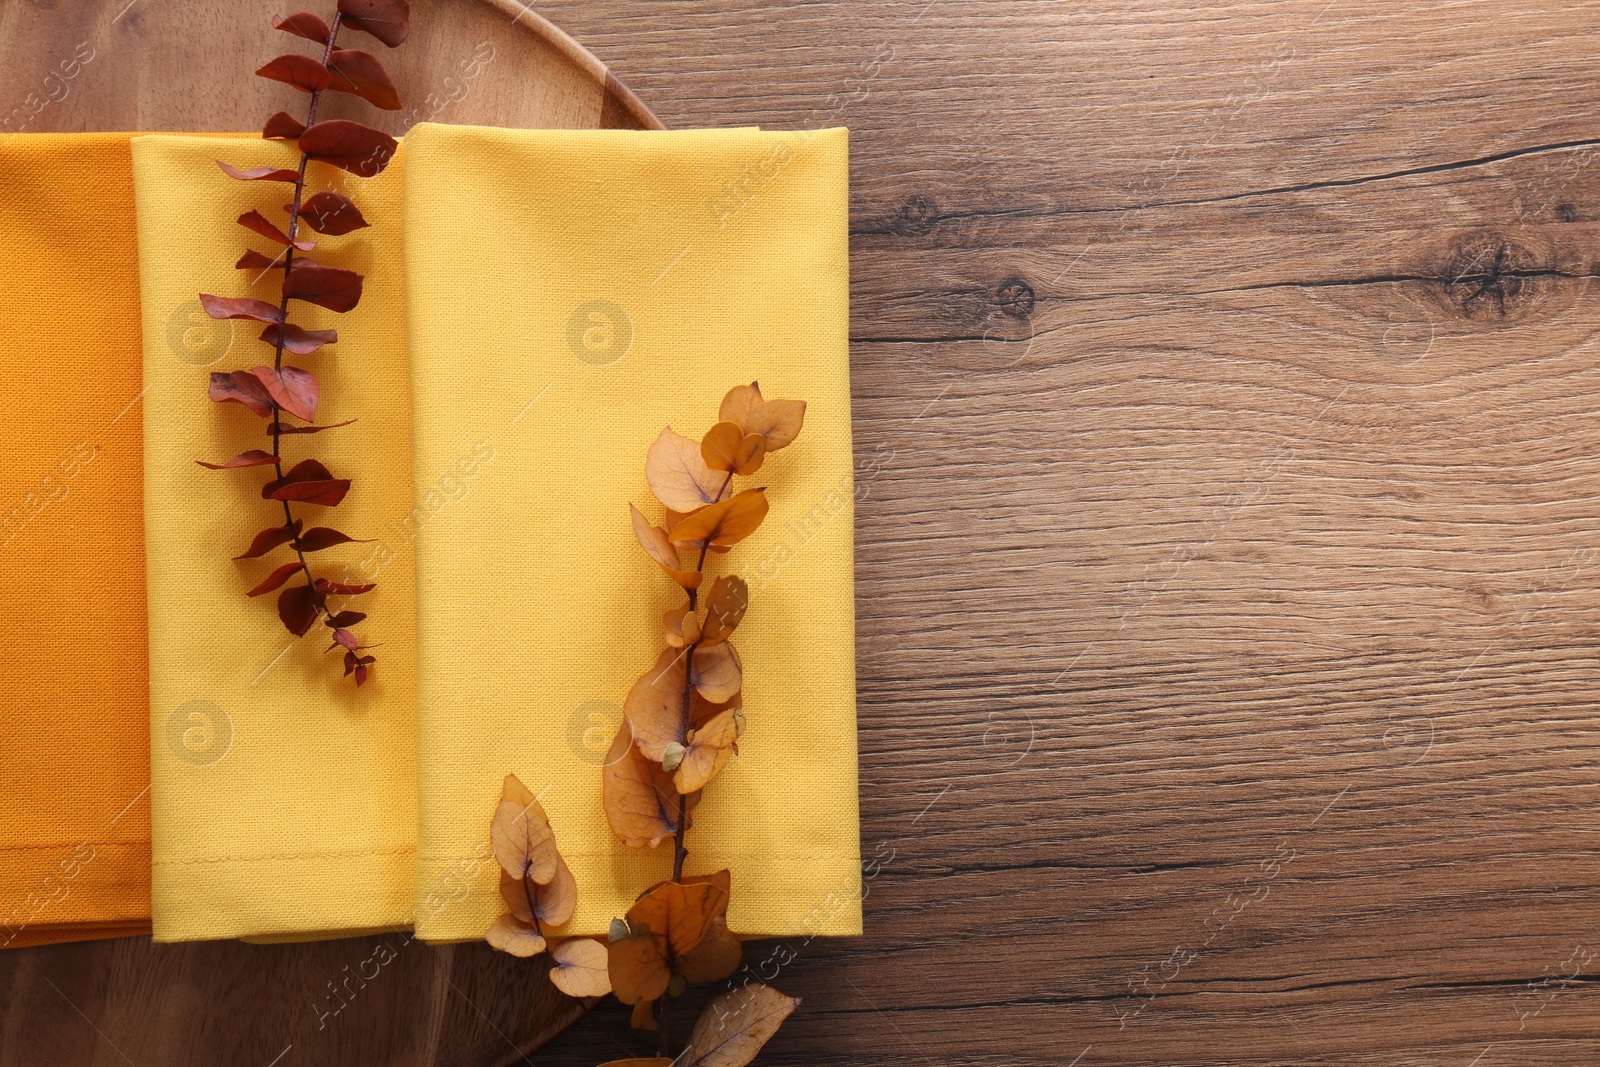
(1225, 391)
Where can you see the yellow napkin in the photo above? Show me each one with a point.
(284, 797)
(569, 294)
(74, 740)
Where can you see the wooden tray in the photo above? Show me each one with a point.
(374, 1001)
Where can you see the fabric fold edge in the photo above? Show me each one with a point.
(332, 889)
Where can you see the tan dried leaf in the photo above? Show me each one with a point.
(516, 897)
(721, 526)
(778, 422)
(683, 626)
(735, 1025)
(752, 453)
(738, 404)
(718, 957)
(720, 446)
(706, 750)
(664, 926)
(640, 802)
(555, 903)
(578, 967)
(725, 607)
(637, 965)
(523, 842)
(509, 935)
(726, 447)
(662, 550)
(654, 706)
(684, 912)
(722, 879)
(721, 953)
(716, 673)
(678, 474)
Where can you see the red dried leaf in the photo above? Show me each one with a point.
(260, 174)
(241, 387)
(294, 390)
(345, 639)
(347, 618)
(257, 222)
(275, 429)
(331, 213)
(253, 458)
(327, 493)
(319, 537)
(240, 307)
(277, 578)
(302, 72)
(300, 341)
(306, 470)
(330, 287)
(344, 588)
(362, 670)
(387, 20)
(308, 482)
(350, 146)
(351, 70)
(304, 24)
(253, 260)
(269, 539)
(297, 607)
(283, 124)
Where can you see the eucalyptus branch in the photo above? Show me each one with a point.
(278, 392)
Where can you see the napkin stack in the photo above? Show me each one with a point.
(538, 306)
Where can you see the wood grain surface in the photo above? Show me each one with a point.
(1225, 384)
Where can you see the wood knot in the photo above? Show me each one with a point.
(1489, 277)
(1014, 297)
(917, 217)
(1566, 213)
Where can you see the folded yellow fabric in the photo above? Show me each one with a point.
(283, 797)
(74, 740)
(569, 294)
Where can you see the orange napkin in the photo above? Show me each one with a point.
(74, 720)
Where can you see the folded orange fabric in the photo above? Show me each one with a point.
(74, 697)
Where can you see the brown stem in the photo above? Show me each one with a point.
(533, 912)
(679, 852)
(318, 602)
(694, 594)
